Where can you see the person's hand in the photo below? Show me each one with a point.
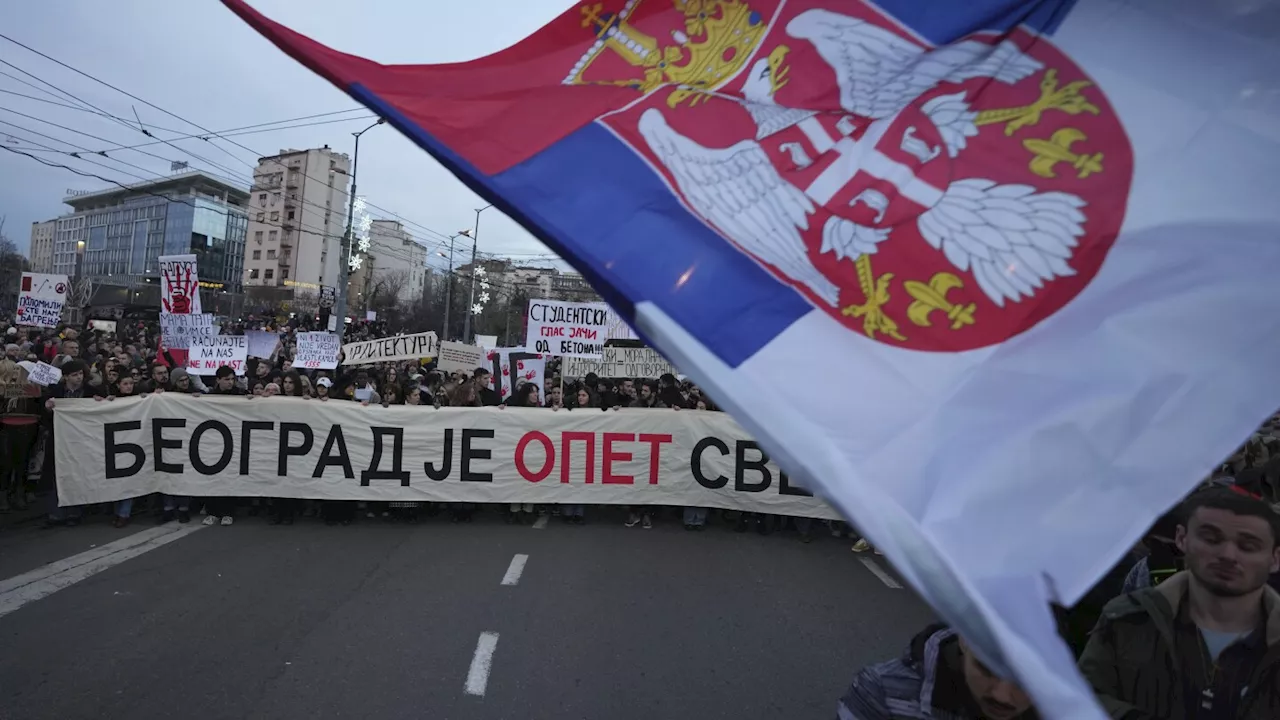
(675, 407)
(555, 408)
(48, 404)
(97, 398)
(324, 399)
(616, 408)
(364, 403)
(158, 390)
(110, 398)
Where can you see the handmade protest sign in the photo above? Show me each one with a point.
(40, 299)
(572, 329)
(459, 357)
(513, 367)
(621, 362)
(398, 347)
(207, 354)
(328, 296)
(44, 374)
(294, 448)
(317, 350)
(179, 284)
(262, 344)
(107, 326)
(179, 331)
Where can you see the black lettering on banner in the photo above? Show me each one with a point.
(741, 464)
(228, 447)
(446, 463)
(542, 346)
(397, 471)
(246, 428)
(469, 454)
(159, 444)
(786, 488)
(341, 459)
(695, 463)
(287, 429)
(112, 449)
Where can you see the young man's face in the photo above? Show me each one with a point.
(126, 385)
(263, 369)
(226, 381)
(160, 374)
(628, 388)
(998, 698)
(74, 379)
(645, 392)
(1230, 555)
(71, 347)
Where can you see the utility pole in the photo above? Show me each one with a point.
(448, 289)
(471, 297)
(344, 257)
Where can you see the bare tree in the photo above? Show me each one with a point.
(12, 265)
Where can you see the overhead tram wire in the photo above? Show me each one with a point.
(89, 160)
(210, 133)
(306, 229)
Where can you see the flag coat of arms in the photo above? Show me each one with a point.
(994, 277)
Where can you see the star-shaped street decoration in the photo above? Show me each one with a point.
(477, 309)
(484, 298)
(356, 261)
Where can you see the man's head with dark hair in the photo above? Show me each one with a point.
(73, 372)
(1231, 541)
(481, 377)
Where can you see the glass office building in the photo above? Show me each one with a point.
(115, 236)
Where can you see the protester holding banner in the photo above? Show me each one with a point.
(72, 385)
(19, 427)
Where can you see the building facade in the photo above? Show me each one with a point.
(42, 234)
(116, 236)
(297, 217)
(396, 259)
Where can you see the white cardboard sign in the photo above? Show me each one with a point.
(317, 351)
(210, 353)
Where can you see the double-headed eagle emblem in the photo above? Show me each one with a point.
(762, 193)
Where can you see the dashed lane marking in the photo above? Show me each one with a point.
(515, 570)
(481, 664)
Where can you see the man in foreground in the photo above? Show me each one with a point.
(1205, 643)
(938, 677)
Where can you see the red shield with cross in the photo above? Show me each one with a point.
(933, 198)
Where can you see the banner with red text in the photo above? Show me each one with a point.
(337, 450)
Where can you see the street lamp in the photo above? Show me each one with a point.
(448, 289)
(344, 258)
(471, 299)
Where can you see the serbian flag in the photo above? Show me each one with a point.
(995, 277)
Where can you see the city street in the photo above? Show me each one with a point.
(467, 621)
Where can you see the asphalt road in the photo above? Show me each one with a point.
(384, 620)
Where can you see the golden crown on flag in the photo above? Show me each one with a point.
(717, 40)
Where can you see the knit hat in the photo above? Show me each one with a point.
(177, 374)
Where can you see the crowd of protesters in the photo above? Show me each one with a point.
(131, 361)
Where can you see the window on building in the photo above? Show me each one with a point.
(275, 198)
(262, 217)
(269, 274)
(290, 216)
(257, 236)
(253, 274)
(275, 216)
(271, 254)
(287, 254)
(262, 199)
(257, 254)
(284, 273)
(271, 236)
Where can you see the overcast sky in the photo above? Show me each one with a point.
(198, 60)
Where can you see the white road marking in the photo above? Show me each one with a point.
(515, 570)
(42, 582)
(541, 522)
(481, 663)
(879, 572)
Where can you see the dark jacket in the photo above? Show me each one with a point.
(489, 397)
(1132, 664)
(926, 682)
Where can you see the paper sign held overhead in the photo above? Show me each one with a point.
(45, 374)
(399, 347)
(571, 329)
(207, 354)
(459, 357)
(262, 344)
(317, 351)
(40, 299)
(179, 285)
(179, 331)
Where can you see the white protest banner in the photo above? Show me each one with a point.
(370, 315)
(179, 285)
(40, 299)
(207, 354)
(317, 350)
(305, 449)
(513, 367)
(488, 342)
(398, 347)
(179, 331)
(44, 374)
(572, 329)
(107, 326)
(262, 344)
(459, 357)
(625, 362)
(580, 367)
